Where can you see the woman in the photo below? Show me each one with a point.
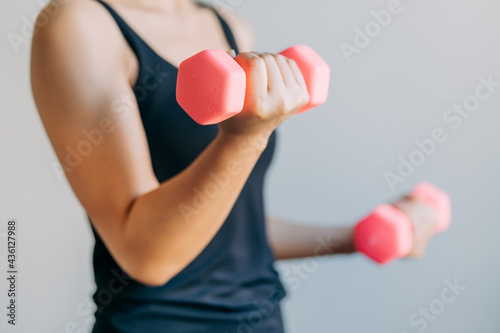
(176, 208)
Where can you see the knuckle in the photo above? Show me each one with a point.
(280, 58)
(258, 111)
(260, 114)
(260, 107)
(305, 92)
(299, 99)
(299, 102)
(244, 56)
(291, 62)
(305, 98)
(267, 57)
(281, 107)
(258, 61)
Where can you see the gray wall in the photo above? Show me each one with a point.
(329, 169)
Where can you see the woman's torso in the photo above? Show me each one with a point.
(231, 286)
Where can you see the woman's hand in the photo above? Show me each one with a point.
(275, 89)
(424, 220)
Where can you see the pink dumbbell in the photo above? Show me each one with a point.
(211, 85)
(387, 233)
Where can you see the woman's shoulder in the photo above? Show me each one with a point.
(59, 11)
(72, 28)
(78, 19)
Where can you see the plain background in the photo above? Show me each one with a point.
(329, 169)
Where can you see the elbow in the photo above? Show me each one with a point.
(147, 260)
(149, 280)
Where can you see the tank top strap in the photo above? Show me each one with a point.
(227, 30)
(131, 37)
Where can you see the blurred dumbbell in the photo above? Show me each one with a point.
(387, 233)
(211, 85)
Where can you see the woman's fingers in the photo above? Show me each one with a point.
(299, 78)
(256, 72)
(286, 71)
(274, 77)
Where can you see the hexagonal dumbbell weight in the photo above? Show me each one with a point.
(211, 85)
(387, 233)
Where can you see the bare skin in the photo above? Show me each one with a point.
(291, 240)
(79, 70)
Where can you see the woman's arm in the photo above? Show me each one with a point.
(81, 88)
(290, 240)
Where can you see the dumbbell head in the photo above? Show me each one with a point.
(315, 71)
(437, 198)
(384, 235)
(210, 87)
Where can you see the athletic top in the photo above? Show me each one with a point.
(231, 286)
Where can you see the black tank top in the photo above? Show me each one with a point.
(231, 286)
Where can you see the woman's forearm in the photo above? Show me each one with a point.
(169, 226)
(290, 240)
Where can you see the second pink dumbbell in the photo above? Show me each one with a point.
(387, 233)
(211, 85)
